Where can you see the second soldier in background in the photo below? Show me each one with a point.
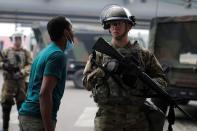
(121, 106)
(16, 63)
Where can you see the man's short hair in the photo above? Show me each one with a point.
(56, 27)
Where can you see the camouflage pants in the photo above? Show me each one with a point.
(28, 123)
(13, 91)
(114, 120)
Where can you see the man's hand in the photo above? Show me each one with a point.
(112, 65)
(17, 75)
(7, 66)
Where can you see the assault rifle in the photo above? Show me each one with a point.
(102, 46)
(11, 68)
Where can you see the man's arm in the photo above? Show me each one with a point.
(2, 59)
(90, 73)
(156, 72)
(46, 102)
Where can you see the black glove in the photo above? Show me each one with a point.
(112, 65)
(17, 75)
(6, 66)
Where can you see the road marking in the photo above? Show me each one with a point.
(86, 119)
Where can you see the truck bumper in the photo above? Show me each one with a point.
(183, 93)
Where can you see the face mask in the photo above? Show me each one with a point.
(69, 45)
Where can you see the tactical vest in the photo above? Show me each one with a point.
(108, 91)
(16, 58)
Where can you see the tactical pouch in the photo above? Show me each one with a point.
(155, 117)
(100, 91)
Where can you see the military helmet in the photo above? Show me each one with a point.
(115, 12)
(17, 34)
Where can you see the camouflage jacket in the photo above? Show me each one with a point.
(19, 59)
(148, 64)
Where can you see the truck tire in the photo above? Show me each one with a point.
(77, 79)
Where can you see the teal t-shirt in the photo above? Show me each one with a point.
(51, 61)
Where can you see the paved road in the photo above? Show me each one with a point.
(78, 109)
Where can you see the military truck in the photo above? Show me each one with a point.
(78, 56)
(174, 42)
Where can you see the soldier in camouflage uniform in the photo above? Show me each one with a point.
(15, 62)
(121, 104)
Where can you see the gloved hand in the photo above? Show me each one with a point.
(6, 66)
(112, 65)
(17, 75)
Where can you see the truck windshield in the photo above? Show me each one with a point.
(177, 42)
(84, 42)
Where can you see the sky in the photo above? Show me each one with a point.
(7, 29)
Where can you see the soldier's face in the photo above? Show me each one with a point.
(117, 28)
(18, 41)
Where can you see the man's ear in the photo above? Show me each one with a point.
(65, 32)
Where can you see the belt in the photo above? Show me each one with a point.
(121, 108)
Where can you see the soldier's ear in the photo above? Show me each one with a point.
(129, 27)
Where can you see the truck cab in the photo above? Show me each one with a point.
(173, 41)
(78, 56)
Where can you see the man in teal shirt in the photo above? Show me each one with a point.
(47, 80)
